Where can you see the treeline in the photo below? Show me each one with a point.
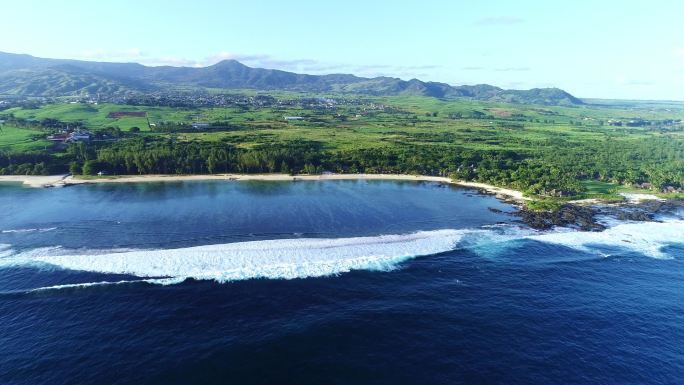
(657, 160)
(555, 169)
(169, 126)
(42, 124)
(32, 163)
(144, 156)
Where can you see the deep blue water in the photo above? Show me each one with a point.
(495, 303)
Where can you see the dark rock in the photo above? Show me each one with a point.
(568, 215)
(644, 211)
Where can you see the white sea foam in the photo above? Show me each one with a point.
(40, 230)
(5, 250)
(314, 257)
(286, 258)
(647, 238)
(638, 197)
(155, 281)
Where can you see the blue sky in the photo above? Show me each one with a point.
(613, 49)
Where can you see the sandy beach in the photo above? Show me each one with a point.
(67, 180)
(35, 180)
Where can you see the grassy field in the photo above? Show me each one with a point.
(19, 139)
(95, 116)
(598, 188)
(414, 120)
(606, 190)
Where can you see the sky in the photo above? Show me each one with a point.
(602, 49)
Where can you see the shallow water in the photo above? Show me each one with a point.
(326, 282)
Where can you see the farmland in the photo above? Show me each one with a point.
(21, 140)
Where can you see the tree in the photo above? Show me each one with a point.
(478, 114)
(135, 129)
(211, 164)
(284, 168)
(75, 168)
(114, 132)
(90, 167)
(310, 169)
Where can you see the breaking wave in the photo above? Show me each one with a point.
(5, 250)
(286, 258)
(157, 281)
(317, 257)
(647, 238)
(19, 231)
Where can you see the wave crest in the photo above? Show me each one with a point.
(286, 258)
(647, 238)
(317, 257)
(32, 230)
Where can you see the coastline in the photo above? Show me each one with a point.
(69, 180)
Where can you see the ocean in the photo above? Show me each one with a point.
(328, 282)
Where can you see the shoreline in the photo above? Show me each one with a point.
(68, 180)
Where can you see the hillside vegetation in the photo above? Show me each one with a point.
(24, 75)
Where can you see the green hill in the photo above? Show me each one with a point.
(26, 75)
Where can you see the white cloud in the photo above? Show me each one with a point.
(169, 61)
(135, 52)
(309, 66)
(98, 53)
(512, 69)
(622, 80)
(129, 54)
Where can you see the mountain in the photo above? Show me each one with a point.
(27, 75)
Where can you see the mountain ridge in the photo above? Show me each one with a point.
(26, 75)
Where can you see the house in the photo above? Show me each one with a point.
(79, 136)
(200, 125)
(645, 185)
(61, 137)
(636, 123)
(288, 118)
(671, 189)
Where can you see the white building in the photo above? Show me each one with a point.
(79, 136)
(200, 125)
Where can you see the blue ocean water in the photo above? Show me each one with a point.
(336, 282)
